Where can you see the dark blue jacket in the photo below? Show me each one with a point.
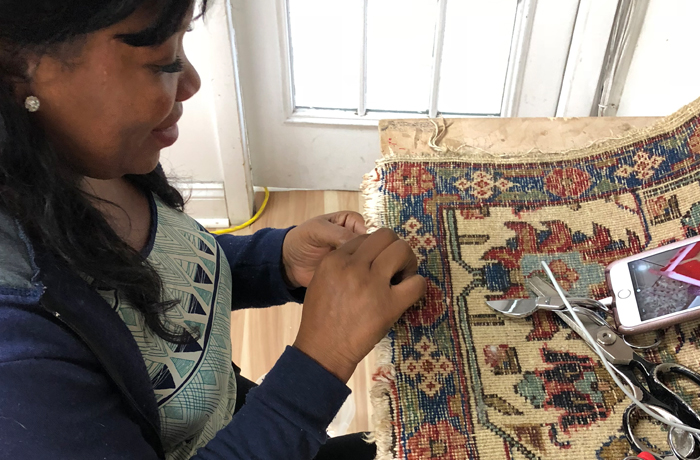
(74, 386)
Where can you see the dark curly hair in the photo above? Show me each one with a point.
(53, 211)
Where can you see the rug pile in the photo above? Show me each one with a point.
(458, 381)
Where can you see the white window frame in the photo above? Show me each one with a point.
(218, 205)
(591, 35)
(575, 33)
(587, 55)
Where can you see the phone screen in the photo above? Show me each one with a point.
(667, 282)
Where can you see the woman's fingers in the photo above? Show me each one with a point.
(351, 220)
(375, 244)
(351, 301)
(331, 234)
(351, 246)
(396, 262)
(409, 291)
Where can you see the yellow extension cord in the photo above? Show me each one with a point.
(252, 219)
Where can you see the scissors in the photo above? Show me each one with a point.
(642, 377)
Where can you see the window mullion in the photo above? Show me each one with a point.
(362, 106)
(438, 46)
(520, 47)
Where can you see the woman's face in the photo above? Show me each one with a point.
(112, 107)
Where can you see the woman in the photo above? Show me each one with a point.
(114, 305)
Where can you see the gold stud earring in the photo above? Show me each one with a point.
(32, 103)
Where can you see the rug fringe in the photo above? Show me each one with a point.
(442, 153)
(380, 393)
(374, 200)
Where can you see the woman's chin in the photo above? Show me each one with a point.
(148, 163)
(142, 165)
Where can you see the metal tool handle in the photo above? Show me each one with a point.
(684, 446)
(661, 390)
(543, 289)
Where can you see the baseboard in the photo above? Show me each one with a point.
(205, 202)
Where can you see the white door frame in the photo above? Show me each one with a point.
(627, 28)
(229, 114)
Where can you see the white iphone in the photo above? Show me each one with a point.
(657, 288)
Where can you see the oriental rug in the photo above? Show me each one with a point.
(458, 381)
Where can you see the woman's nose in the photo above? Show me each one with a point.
(189, 82)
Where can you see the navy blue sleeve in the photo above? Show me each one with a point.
(57, 402)
(285, 417)
(256, 269)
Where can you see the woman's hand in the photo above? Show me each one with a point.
(357, 293)
(306, 245)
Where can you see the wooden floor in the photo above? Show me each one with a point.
(260, 336)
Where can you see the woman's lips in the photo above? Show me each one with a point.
(167, 136)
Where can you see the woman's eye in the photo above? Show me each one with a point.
(175, 67)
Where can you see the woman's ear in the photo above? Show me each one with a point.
(32, 63)
(39, 73)
(19, 72)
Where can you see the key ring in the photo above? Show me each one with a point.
(680, 440)
(630, 420)
(655, 344)
(684, 445)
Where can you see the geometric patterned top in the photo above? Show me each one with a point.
(194, 384)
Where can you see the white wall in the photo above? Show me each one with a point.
(195, 156)
(210, 160)
(665, 71)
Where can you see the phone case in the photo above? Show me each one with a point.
(656, 324)
(684, 267)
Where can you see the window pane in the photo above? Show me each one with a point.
(478, 35)
(326, 42)
(400, 36)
